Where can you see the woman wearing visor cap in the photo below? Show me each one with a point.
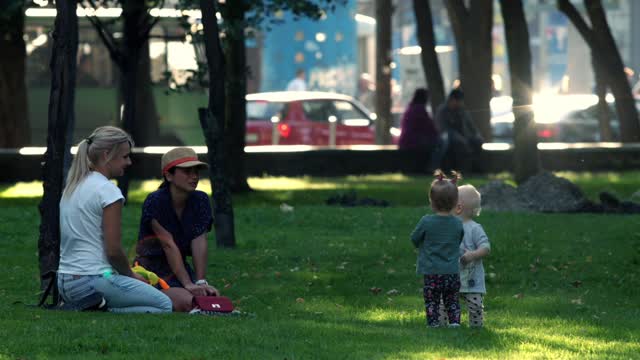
(174, 225)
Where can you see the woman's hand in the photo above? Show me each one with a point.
(211, 291)
(196, 290)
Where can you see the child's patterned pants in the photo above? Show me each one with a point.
(476, 308)
(439, 287)
(474, 305)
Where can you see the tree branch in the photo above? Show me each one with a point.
(458, 15)
(144, 34)
(577, 20)
(105, 36)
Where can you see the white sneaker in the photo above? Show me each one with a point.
(454, 325)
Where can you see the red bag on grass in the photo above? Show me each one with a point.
(213, 303)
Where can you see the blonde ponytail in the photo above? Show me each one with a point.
(105, 138)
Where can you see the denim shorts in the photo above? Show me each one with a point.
(122, 293)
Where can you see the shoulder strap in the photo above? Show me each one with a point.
(51, 288)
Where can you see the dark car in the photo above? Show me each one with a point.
(306, 118)
(579, 126)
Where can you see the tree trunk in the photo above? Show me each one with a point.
(384, 10)
(212, 121)
(14, 115)
(145, 129)
(604, 49)
(620, 87)
(472, 30)
(527, 162)
(604, 118)
(135, 15)
(61, 120)
(428, 55)
(236, 104)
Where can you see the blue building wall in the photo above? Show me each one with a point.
(330, 65)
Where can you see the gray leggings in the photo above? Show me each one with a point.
(474, 305)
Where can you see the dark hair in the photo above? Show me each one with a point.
(165, 182)
(420, 96)
(456, 94)
(299, 72)
(444, 192)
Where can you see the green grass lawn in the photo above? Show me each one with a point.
(560, 286)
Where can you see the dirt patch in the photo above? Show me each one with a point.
(546, 192)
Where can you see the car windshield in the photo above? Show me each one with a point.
(263, 110)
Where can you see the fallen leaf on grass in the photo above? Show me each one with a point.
(375, 290)
(285, 208)
(577, 301)
(300, 300)
(518, 296)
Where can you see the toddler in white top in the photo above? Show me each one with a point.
(473, 248)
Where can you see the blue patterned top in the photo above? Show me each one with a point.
(438, 241)
(196, 220)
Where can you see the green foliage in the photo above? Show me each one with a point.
(11, 15)
(559, 286)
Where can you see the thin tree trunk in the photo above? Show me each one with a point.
(384, 10)
(14, 115)
(604, 118)
(472, 30)
(527, 162)
(212, 121)
(126, 55)
(603, 47)
(236, 104)
(133, 13)
(61, 119)
(428, 55)
(145, 128)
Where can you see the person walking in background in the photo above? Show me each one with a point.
(418, 130)
(92, 260)
(298, 83)
(462, 140)
(175, 222)
(438, 238)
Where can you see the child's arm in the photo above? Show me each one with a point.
(483, 248)
(417, 235)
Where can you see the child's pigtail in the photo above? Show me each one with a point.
(439, 175)
(455, 177)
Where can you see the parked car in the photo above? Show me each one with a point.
(305, 117)
(558, 118)
(578, 126)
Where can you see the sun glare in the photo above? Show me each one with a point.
(23, 190)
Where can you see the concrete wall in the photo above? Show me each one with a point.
(17, 167)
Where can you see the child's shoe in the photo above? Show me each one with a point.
(454, 325)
